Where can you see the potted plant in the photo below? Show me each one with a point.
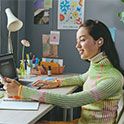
(121, 14)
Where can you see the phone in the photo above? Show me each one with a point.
(1, 79)
(1, 83)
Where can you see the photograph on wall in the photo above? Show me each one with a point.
(54, 37)
(49, 50)
(70, 13)
(47, 4)
(41, 11)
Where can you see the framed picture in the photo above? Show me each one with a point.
(49, 50)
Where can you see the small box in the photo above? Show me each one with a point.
(55, 67)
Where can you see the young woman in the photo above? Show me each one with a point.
(102, 83)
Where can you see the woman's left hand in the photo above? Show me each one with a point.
(47, 84)
(11, 86)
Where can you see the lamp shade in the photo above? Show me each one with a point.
(13, 24)
(25, 43)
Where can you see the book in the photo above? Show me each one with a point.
(12, 104)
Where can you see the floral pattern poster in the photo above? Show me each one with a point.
(70, 13)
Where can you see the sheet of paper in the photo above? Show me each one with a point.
(54, 37)
(47, 4)
(19, 105)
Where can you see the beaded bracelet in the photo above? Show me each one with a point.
(20, 91)
(58, 82)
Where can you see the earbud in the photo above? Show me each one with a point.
(99, 42)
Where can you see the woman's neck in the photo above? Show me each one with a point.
(97, 57)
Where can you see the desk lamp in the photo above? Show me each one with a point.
(13, 25)
(25, 43)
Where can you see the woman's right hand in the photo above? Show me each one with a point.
(47, 84)
(11, 86)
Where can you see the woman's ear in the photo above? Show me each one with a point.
(100, 41)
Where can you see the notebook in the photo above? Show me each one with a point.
(9, 104)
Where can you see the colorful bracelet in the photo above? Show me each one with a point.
(58, 82)
(20, 91)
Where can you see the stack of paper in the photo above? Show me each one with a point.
(18, 104)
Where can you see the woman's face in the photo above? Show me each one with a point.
(86, 45)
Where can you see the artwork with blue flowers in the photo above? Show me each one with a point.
(70, 13)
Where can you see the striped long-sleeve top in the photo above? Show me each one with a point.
(102, 88)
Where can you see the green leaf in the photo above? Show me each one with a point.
(122, 1)
(119, 14)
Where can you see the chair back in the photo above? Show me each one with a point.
(120, 109)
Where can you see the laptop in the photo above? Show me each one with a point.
(8, 68)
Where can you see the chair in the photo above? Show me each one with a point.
(120, 111)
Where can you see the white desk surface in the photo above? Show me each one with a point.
(30, 117)
(32, 78)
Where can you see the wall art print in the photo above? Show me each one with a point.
(70, 13)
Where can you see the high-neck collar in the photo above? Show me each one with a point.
(98, 57)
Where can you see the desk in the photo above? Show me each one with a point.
(30, 117)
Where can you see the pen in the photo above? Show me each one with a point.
(40, 86)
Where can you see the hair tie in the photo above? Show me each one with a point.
(96, 21)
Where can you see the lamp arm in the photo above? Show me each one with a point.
(10, 47)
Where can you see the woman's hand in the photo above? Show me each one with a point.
(11, 86)
(38, 70)
(47, 84)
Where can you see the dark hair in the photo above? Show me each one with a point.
(97, 29)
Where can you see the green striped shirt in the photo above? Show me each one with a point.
(102, 88)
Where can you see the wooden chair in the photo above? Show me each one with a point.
(120, 110)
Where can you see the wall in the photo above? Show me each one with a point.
(104, 10)
(18, 9)
(4, 33)
(67, 49)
